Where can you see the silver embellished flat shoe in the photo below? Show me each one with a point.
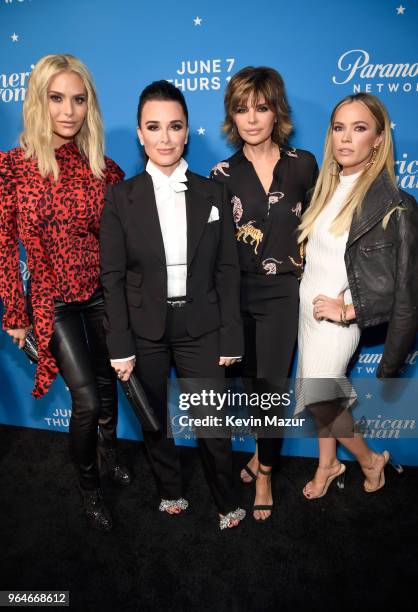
(234, 515)
(169, 504)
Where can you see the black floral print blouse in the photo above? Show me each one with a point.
(266, 224)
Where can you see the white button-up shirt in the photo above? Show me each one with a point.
(171, 206)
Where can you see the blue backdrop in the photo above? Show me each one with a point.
(324, 50)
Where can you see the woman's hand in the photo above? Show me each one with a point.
(18, 335)
(328, 308)
(123, 369)
(227, 361)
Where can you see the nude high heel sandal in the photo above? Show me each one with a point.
(339, 476)
(381, 480)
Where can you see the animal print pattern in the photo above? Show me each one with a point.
(58, 224)
(249, 231)
(220, 167)
(266, 224)
(270, 265)
(237, 209)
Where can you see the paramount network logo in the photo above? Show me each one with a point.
(13, 86)
(356, 68)
(368, 363)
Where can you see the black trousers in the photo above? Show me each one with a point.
(270, 310)
(79, 346)
(193, 358)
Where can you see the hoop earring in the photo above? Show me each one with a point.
(334, 168)
(369, 166)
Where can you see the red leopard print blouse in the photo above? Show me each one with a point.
(58, 224)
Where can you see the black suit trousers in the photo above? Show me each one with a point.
(270, 313)
(193, 358)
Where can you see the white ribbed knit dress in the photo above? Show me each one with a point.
(325, 348)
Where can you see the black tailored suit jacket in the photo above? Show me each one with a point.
(134, 273)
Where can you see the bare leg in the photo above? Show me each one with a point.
(253, 465)
(328, 467)
(370, 462)
(336, 423)
(329, 418)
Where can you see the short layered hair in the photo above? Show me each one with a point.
(258, 82)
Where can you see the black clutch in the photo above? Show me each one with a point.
(132, 389)
(31, 347)
(135, 394)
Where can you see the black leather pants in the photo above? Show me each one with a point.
(78, 344)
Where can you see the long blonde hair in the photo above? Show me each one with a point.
(328, 178)
(37, 136)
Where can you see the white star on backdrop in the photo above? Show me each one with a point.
(197, 21)
(400, 10)
(369, 396)
(201, 131)
(392, 125)
(14, 37)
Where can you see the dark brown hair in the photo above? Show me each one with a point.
(161, 90)
(261, 81)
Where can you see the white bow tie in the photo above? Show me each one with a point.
(175, 182)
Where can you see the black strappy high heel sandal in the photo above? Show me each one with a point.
(263, 506)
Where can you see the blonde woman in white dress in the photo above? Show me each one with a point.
(361, 257)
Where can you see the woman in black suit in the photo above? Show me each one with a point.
(170, 275)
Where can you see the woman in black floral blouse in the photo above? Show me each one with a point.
(267, 181)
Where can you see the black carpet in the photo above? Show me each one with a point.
(348, 550)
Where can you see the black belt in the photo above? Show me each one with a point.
(177, 302)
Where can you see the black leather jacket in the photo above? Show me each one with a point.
(382, 269)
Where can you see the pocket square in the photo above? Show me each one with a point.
(214, 215)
